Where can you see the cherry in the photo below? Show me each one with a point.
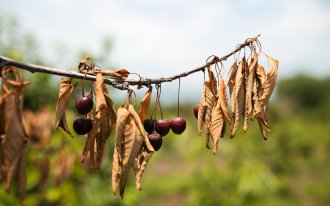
(162, 127)
(149, 125)
(178, 125)
(196, 108)
(84, 104)
(82, 126)
(155, 140)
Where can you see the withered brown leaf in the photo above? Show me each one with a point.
(21, 173)
(261, 74)
(212, 81)
(216, 126)
(123, 73)
(223, 101)
(64, 166)
(96, 138)
(238, 96)
(141, 161)
(2, 115)
(139, 125)
(111, 112)
(15, 138)
(122, 120)
(145, 103)
(231, 80)
(268, 86)
(209, 102)
(248, 90)
(201, 110)
(66, 91)
(39, 126)
(130, 131)
(262, 129)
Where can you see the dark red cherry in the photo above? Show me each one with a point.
(155, 140)
(84, 105)
(149, 125)
(178, 125)
(82, 126)
(196, 108)
(162, 127)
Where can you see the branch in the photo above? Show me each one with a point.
(119, 83)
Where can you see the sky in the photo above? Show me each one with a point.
(166, 37)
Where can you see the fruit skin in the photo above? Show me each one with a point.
(178, 125)
(82, 126)
(149, 125)
(162, 127)
(84, 105)
(155, 140)
(196, 108)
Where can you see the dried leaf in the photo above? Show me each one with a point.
(267, 113)
(131, 145)
(139, 125)
(44, 166)
(130, 133)
(223, 131)
(145, 103)
(232, 84)
(64, 166)
(212, 81)
(15, 138)
(216, 126)
(21, 173)
(209, 102)
(141, 162)
(231, 80)
(83, 63)
(201, 111)
(96, 138)
(261, 127)
(223, 101)
(2, 116)
(239, 97)
(122, 120)
(248, 90)
(269, 85)
(39, 126)
(66, 91)
(123, 73)
(111, 112)
(261, 74)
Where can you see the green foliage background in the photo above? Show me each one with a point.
(291, 168)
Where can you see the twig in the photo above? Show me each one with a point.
(119, 83)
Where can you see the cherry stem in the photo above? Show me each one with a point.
(83, 85)
(160, 107)
(179, 98)
(154, 112)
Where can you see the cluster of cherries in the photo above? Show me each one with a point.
(82, 125)
(157, 129)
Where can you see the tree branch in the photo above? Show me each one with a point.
(119, 83)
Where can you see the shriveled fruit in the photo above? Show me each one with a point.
(178, 125)
(82, 125)
(196, 110)
(84, 104)
(149, 125)
(155, 140)
(162, 127)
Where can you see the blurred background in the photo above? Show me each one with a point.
(162, 38)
